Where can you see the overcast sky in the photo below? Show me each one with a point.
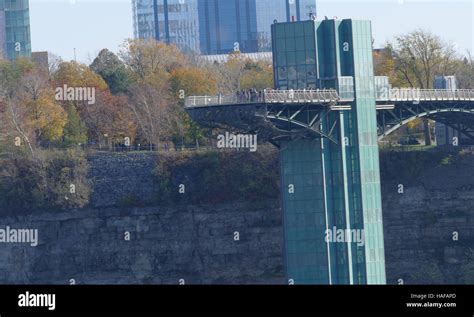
(59, 26)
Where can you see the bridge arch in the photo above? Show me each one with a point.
(394, 127)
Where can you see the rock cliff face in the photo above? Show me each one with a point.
(149, 246)
(429, 223)
(236, 243)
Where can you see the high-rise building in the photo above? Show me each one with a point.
(216, 26)
(14, 29)
(3, 35)
(449, 127)
(331, 188)
(41, 60)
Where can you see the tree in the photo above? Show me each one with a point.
(75, 131)
(258, 75)
(419, 56)
(109, 119)
(149, 61)
(465, 72)
(154, 111)
(152, 102)
(30, 110)
(74, 74)
(45, 117)
(192, 81)
(112, 70)
(229, 75)
(384, 65)
(14, 117)
(241, 73)
(53, 63)
(12, 72)
(3, 124)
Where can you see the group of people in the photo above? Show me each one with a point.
(250, 95)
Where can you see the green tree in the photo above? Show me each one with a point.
(465, 72)
(75, 131)
(12, 72)
(112, 70)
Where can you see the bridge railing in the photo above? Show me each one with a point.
(194, 101)
(301, 96)
(266, 96)
(413, 94)
(328, 96)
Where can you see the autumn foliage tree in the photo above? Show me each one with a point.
(258, 75)
(149, 60)
(192, 81)
(229, 74)
(151, 100)
(45, 118)
(414, 60)
(109, 119)
(106, 118)
(31, 114)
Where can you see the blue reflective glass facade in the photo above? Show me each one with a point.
(177, 22)
(216, 26)
(336, 185)
(15, 29)
(3, 35)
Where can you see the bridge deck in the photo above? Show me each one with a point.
(328, 97)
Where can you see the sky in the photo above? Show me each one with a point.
(87, 26)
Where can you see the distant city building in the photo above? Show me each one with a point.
(15, 38)
(214, 27)
(447, 135)
(444, 134)
(41, 60)
(3, 35)
(382, 82)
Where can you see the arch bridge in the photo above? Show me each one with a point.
(276, 114)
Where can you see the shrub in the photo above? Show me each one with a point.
(217, 177)
(59, 181)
